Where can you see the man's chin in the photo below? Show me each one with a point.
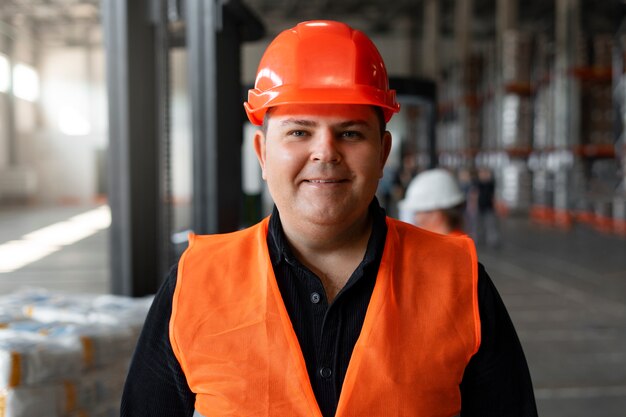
(331, 216)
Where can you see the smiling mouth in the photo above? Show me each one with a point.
(324, 181)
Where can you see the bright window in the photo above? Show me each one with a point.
(4, 74)
(73, 122)
(25, 82)
(35, 245)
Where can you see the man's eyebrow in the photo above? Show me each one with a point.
(352, 123)
(299, 122)
(312, 123)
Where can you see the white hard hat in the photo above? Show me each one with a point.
(432, 190)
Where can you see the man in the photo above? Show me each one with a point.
(434, 201)
(486, 228)
(327, 307)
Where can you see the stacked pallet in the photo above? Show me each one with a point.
(65, 355)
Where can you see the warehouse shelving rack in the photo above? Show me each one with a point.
(619, 106)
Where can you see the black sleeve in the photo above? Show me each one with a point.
(496, 382)
(156, 385)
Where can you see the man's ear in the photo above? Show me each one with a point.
(259, 149)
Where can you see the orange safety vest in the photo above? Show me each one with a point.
(458, 233)
(234, 340)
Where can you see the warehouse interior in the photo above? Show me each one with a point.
(122, 130)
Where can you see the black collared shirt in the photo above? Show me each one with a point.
(496, 382)
(327, 332)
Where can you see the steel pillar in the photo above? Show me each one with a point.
(463, 31)
(133, 147)
(215, 31)
(431, 58)
(10, 130)
(567, 90)
(137, 44)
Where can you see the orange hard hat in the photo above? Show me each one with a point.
(323, 62)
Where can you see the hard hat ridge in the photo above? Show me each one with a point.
(320, 61)
(433, 189)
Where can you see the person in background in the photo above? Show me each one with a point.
(327, 308)
(467, 183)
(487, 229)
(405, 173)
(435, 202)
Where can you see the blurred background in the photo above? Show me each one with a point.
(122, 130)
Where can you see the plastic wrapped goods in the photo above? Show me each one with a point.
(117, 311)
(53, 400)
(60, 399)
(12, 304)
(30, 359)
(88, 309)
(105, 384)
(516, 122)
(8, 318)
(101, 344)
(66, 355)
(111, 409)
(516, 56)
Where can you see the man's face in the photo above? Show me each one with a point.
(432, 220)
(322, 162)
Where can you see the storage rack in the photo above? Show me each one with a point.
(556, 179)
(619, 102)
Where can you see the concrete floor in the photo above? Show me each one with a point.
(79, 268)
(565, 291)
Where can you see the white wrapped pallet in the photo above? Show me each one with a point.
(30, 359)
(106, 384)
(61, 308)
(7, 318)
(101, 344)
(90, 309)
(111, 409)
(12, 304)
(121, 311)
(66, 355)
(60, 399)
(53, 400)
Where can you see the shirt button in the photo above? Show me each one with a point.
(315, 298)
(326, 372)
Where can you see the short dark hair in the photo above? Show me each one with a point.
(381, 119)
(454, 216)
(378, 110)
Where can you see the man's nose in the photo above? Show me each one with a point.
(325, 147)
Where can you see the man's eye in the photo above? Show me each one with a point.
(351, 134)
(297, 133)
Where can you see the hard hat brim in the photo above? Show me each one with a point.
(439, 204)
(260, 101)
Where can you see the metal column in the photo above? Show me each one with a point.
(431, 52)
(10, 129)
(133, 147)
(423, 92)
(506, 16)
(463, 31)
(506, 19)
(566, 105)
(215, 31)
(137, 44)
